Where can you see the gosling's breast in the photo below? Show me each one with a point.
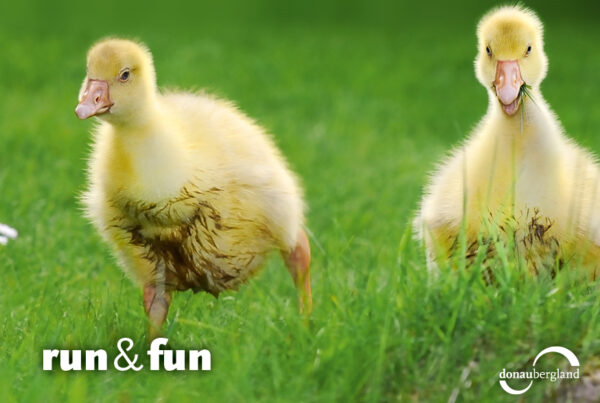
(193, 245)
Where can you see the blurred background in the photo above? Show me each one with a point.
(363, 97)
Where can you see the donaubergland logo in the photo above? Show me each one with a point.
(534, 374)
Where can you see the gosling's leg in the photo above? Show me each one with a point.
(297, 261)
(156, 304)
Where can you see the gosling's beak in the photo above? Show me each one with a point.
(95, 100)
(508, 85)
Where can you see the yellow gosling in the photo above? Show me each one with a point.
(189, 192)
(517, 169)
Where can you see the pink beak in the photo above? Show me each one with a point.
(95, 100)
(508, 84)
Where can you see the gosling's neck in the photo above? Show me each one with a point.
(530, 142)
(532, 124)
(157, 154)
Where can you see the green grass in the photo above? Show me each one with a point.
(363, 100)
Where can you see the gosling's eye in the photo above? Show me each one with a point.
(124, 76)
(488, 50)
(528, 50)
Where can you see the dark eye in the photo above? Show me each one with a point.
(124, 76)
(528, 50)
(488, 50)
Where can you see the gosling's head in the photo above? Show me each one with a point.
(510, 54)
(120, 82)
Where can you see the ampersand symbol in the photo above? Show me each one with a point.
(124, 356)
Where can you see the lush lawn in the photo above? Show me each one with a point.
(362, 99)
